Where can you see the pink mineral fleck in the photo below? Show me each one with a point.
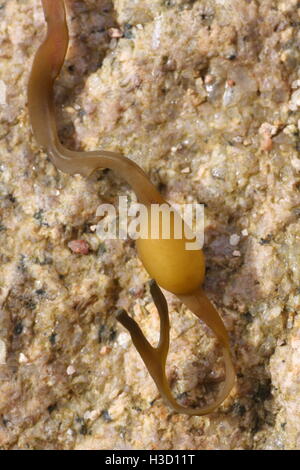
(115, 33)
(80, 247)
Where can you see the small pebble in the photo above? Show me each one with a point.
(267, 128)
(236, 253)
(295, 100)
(296, 84)
(275, 312)
(113, 43)
(290, 129)
(71, 370)
(296, 300)
(92, 415)
(80, 247)
(137, 309)
(2, 93)
(2, 352)
(186, 170)
(234, 239)
(22, 358)
(245, 232)
(124, 340)
(105, 350)
(208, 78)
(267, 143)
(115, 32)
(70, 110)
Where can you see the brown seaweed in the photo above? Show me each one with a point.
(173, 267)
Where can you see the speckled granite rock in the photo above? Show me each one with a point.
(205, 96)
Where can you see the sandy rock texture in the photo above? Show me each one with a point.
(204, 95)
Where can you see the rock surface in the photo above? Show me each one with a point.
(204, 95)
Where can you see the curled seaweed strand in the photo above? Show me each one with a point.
(155, 358)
